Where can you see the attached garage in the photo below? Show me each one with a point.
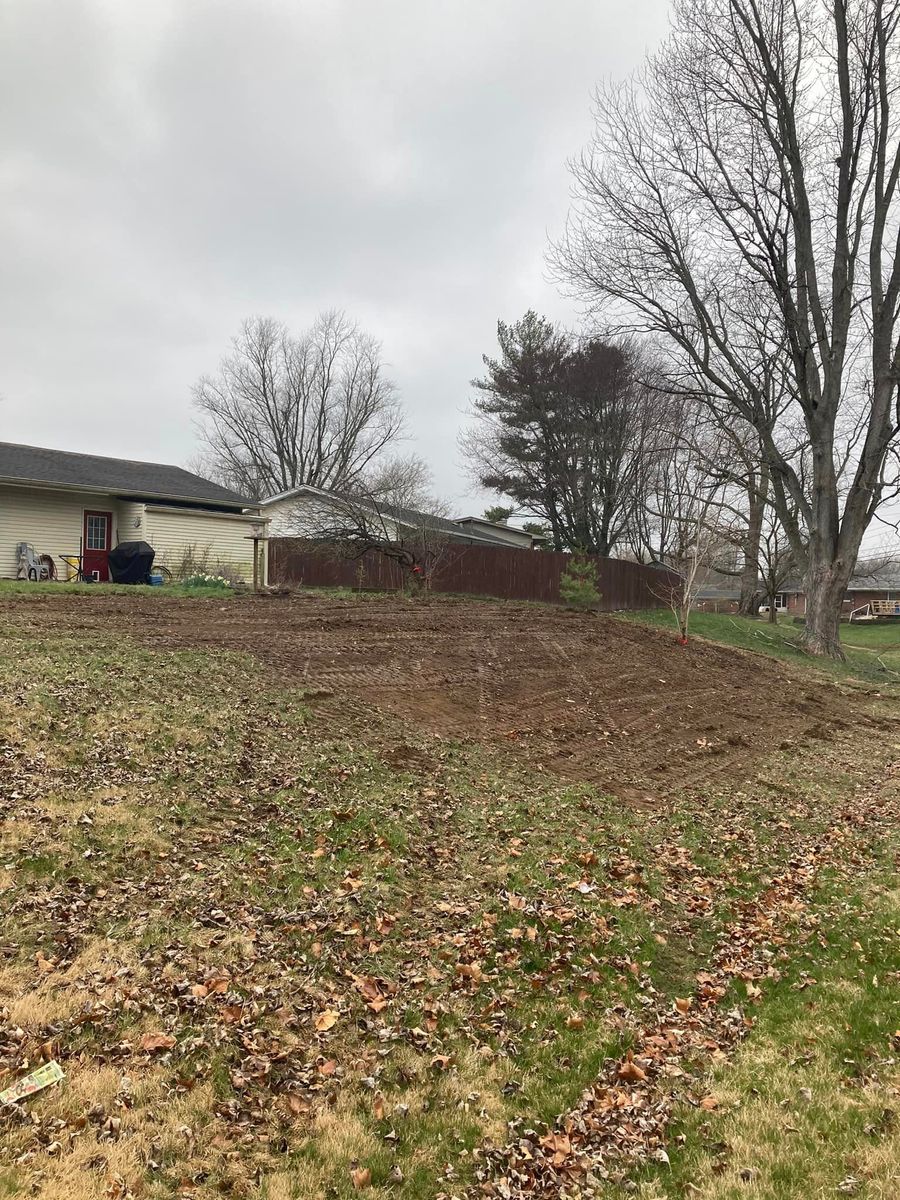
(79, 506)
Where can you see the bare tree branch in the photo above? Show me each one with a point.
(740, 201)
(284, 411)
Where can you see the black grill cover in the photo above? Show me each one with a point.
(130, 562)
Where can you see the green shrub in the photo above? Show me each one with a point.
(578, 585)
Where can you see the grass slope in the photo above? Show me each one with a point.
(873, 651)
(808, 1107)
(16, 587)
(287, 948)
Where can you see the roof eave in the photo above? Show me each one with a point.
(94, 489)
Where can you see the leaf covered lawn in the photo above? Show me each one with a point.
(286, 947)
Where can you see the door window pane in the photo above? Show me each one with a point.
(96, 533)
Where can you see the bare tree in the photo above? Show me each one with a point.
(776, 561)
(732, 456)
(283, 411)
(404, 479)
(696, 544)
(390, 514)
(741, 195)
(687, 507)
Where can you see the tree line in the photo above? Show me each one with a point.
(739, 203)
(735, 239)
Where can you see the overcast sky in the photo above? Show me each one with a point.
(170, 168)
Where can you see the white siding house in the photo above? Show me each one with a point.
(68, 505)
(310, 512)
(307, 511)
(509, 535)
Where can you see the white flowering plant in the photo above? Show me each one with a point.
(201, 580)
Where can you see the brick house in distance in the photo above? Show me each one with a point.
(873, 582)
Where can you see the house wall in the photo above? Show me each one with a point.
(858, 599)
(212, 540)
(52, 521)
(130, 522)
(852, 600)
(496, 532)
(306, 516)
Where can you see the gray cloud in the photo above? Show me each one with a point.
(170, 168)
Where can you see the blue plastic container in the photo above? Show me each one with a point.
(155, 580)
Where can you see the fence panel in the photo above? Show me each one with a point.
(508, 574)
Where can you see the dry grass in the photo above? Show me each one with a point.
(39, 997)
(135, 1121)
(172, 820)
(808, 1107)
(776, 1135)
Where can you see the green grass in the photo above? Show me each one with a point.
(872, 651)
(62, 587)
(807, 1106)
(168, 817)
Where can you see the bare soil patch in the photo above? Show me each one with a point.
(588, 697)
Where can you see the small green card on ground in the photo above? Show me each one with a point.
(43, 1077)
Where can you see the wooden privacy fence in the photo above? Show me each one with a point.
(471, 570)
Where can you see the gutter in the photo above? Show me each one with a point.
(94, 490)
(203, 512)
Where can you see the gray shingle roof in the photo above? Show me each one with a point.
(414, 519)
(878, 579)
(32, 464)
(410, 517)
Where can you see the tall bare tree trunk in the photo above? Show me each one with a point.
(741, 198)
(832, 552)
(825, 589)
(757, 496)
(748, 601)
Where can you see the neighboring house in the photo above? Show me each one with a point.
(870, 582)
(508, 534)
(69, 504)
(720, 593)
(311, 512)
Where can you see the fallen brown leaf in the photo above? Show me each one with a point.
(630, 1071)
(361, 1177)
(151, 1042)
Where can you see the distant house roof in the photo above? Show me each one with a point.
(871, 575)
(93, 472)
(721, 587)
(875, 577)
(487, 526)
(412, 518)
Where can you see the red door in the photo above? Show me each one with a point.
(96, 544)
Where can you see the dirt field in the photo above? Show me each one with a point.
(308, 922)
(590, 698)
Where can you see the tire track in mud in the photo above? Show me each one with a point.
(591, 698)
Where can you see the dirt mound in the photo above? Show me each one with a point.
(591, 698)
